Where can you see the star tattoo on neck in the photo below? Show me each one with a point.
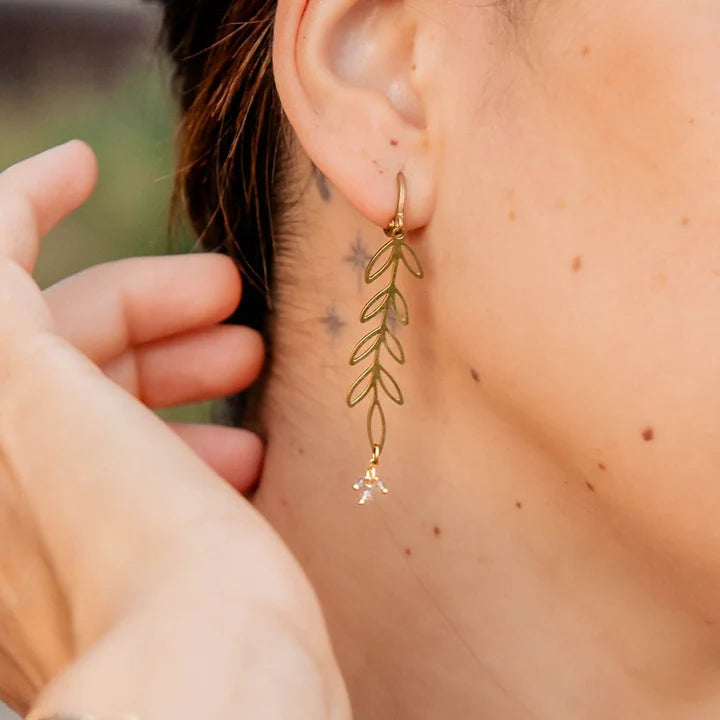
(358, 258)
(333, 322)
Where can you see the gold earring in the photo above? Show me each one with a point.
(390, 305)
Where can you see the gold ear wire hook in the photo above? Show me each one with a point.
(389, 305)
(400, 215)
(397, 224)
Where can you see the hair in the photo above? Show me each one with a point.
(232, 141)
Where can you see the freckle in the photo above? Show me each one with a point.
(685, 221)
(709, 623)
(602, 466)
(589, 486)
(436, 530)
(559, 204)
(512, 216)
(518, 505)
(576, 263)
(394, 142)
(648, 434)
(585, 50)
(474, 375)
(414, 67)
(691, 121)
(301, 451)
(284, 502)
(408, 551)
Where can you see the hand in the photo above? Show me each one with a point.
(132, 579)
(151, 325)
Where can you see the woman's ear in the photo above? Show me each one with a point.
(347, 72)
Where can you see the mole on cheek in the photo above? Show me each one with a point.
(576, 263)
(685, 221)
(648, 434)
(601, 466)
(518, 505)
(436, 530)
(408, 551)
(474, 375)
(585, 50)
(512, 216)
(589, 486)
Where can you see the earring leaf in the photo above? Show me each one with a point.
(376, 304)
(366, 346)
(376, 421)
(361, 387)
(411, 261)
(400, 307)
(386, 255)
(393, 346)
(390, 386)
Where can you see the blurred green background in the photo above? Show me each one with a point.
(92, 69)
(128, 125)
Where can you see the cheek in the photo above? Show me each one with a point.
(634, 92)
(594, 269)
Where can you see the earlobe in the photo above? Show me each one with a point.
(346, 74)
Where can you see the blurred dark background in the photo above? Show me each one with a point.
(43, 42)
(91, 69)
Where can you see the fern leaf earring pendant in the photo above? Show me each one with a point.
(381, 345)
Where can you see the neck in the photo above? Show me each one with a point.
(495, 578)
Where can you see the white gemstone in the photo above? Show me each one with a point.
(368, 485)
(366, 496)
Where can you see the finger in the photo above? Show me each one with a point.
(235, 454)
(37, 193)
(109, 308)
(205, 364)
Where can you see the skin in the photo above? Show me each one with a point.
(549, 547)
(120, 544)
